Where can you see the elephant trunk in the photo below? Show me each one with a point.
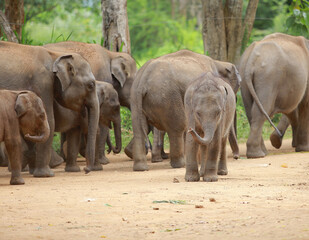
(93, 121)
(41, 138)
(117, 132)
(206, 140)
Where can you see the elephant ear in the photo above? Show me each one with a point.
(22, 104)
(64, 70)
(229, 73)
(119, 70)
(100, 92)
(224, 94)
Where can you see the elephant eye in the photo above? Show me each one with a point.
(42, 115)
(90, 85)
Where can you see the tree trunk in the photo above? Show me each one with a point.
(14, 12)
(224, 31)
(7, 29)
(214, 30)
(115, 25)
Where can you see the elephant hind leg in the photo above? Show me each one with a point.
(140, 130)
(302, 133)
(275, 139)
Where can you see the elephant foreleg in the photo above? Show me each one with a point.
(211, 167)
(100, 146)
(233, 140)
(177, 149)
(15, 158)
(222, 168)
(191, 148)
(73, 142)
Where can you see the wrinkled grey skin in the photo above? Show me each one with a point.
(51, 75)
(75, 124)
(210, 108)
(275, 78)
(157, 98)
(22, 115)
(116, 68)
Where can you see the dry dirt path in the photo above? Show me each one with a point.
(260, 199)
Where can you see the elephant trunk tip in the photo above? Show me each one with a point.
(87, 170)
(116, 149)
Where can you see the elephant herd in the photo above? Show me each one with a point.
(77, 89)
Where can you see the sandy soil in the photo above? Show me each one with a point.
(260, 199)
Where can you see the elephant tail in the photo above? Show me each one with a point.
(249, 76)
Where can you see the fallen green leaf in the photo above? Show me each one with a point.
(108, 205)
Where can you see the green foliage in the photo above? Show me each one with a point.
(297, 22)
(154, 33)
(266, 11)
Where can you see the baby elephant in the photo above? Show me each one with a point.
(21, 113)
(210, 107)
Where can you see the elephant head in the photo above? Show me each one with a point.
(205, 106)
(123, 70)
(229, 73)
(32, 117)
(110, 110)
(75, 88)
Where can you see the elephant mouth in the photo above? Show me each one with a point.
(106, 123)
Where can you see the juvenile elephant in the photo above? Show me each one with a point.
(66, 78)
(210, 108)
(116, 68)
(75, 124)
(21, 113)
(157, 98)
(275, 78)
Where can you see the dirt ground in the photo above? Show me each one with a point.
(259, 199)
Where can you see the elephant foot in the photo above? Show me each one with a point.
(104, 160)
(164, 155)
(55, 161)
(17, 181)
(140, 166)
(155, 159)
(72, 168)
(236, 155)
(259, 153)
(128, 152)
(178, 163)
(192, 176)
(43, 172)
(210, 178)
(222, 171)
(97, 167)
(302, 148)
(275, 140)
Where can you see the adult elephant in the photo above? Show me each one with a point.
(66, 78)
(157, 98)
(116, 68)
(275, 80)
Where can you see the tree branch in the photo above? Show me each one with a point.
(249, 20)
(7, 29)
